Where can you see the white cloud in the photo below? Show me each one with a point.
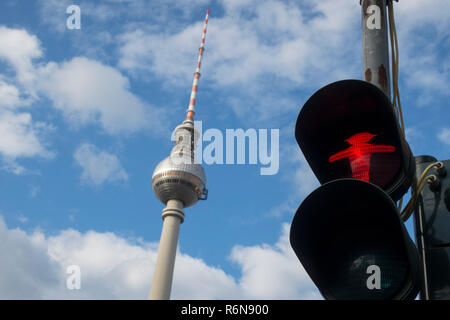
(19, 48)
(34, 267)
(34, 191)
(415, 137)
(22, 218)
(303, 181)
(19, 136)
(164, 56)
(98, 13)
(256, 53)
(437, 14)
(422, 35)
(275, 40)
(235, 5)
(262, 50)
(87, 91)
(9, 96)
(298, 177)
(53, 13)
(99, 166)
(12, 166)
(444, 136)
(273, 272)
(26, 270)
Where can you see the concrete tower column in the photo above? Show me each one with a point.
(173, 216)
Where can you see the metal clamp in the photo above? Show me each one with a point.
(440, 169)
(434, 183)
(204, 194)
(387, 1)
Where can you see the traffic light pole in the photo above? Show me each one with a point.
(431, 212)
(375, 44)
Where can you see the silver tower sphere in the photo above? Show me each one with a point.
(178, 176)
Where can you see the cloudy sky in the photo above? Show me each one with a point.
(86, 115)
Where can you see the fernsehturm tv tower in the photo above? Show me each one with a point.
(178, 182)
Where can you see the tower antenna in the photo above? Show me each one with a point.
(191, 108)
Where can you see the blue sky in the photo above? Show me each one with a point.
(86, 115)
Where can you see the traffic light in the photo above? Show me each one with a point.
(349, 129)
(348, 233)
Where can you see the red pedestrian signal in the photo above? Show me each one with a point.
(359, 154)
(348, 129)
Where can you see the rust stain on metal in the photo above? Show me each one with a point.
(365, 4)
(382, 77)
(368, 75)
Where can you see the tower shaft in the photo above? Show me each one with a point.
(173, 216)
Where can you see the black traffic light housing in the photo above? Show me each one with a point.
(350, 136)
(432, 226)
(344, 227)
(355, 114)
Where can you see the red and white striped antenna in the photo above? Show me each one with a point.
(191, 108)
